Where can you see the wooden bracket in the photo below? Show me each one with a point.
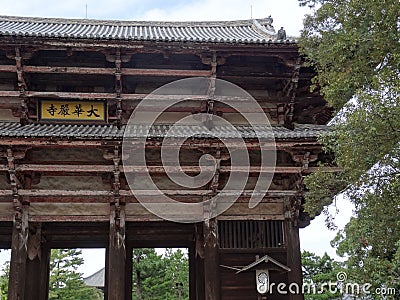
(35, 241)
(111, 56)
(214, 184)
(303, 157)
(208, 59)
(117, 182)
(15, 180)
(118, 86)
(292, 208)
(290, 91)
(208, 118)
(210, 233)
(22, 86)
(199, 240)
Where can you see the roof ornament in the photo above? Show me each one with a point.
(264, 26)
(281, 34)
(269, 21)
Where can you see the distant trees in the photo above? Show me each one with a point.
(65, 282)
(160, 277)
(155, 276)
(5, 271)
(317, 271)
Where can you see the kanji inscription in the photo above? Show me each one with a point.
(72, 111)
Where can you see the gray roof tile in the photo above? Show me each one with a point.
(74, 131)
(96, 279)
(246, 31)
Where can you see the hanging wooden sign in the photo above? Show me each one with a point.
(72, 111)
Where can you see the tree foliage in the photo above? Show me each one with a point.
(64, 282)
(354, 46)
(159, 277)
(318, 271)
(5, 273)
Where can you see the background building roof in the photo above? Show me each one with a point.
(96, 279)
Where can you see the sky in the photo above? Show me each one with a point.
(316, 237)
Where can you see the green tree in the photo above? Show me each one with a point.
(318, 271)
(160, 277)
(148, 274)
(177, 273)
(65, 282)
(5, 273)
(354, 47)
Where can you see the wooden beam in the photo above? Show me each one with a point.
(166, 72)
(150, 193)
(133, 97)
(156, 143)
(8, 68)
(50, 168)
(68, 70)
(107, 71)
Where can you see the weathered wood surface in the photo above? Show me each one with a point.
(211, 260)
(293, 257)
(116, 254)
(18, 263)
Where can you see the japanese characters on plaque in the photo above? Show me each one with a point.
(72, 111)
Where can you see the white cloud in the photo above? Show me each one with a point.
(316, 237)
(285, 13)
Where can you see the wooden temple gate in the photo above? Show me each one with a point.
(62, 182)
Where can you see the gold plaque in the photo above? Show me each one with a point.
(72, 111)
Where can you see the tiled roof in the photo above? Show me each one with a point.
(96, 280)
(247, 31)
(71, 131)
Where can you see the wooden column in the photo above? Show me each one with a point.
(44, 272)
(17, 278)
(211, 264)
(116, 253)
(293, 257)
(128, 273)
(198, 257)
(192, 273)
(38, 267)
(106, 274)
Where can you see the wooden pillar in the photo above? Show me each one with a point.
(44, 272)
(116, 253)
(37, 266)
(211, 264)
(199, 262)
(128, 273)
(293, 257)
(106, 275)
(19, 244)
(192, 273)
